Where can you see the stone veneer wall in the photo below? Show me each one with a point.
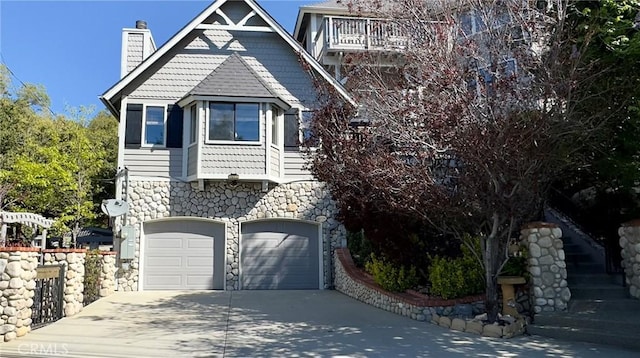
(352, 282)
(18, 269)
(307, 200)
(73, 260)
(107, 273)
(630, 246)
(547, 266)
(453, 314)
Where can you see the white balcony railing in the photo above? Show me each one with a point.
(353, 33)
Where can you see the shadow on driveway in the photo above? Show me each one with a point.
(273, 324)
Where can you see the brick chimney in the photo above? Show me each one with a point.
(137, 45)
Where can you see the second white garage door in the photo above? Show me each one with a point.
(280, 254)
(183, 254)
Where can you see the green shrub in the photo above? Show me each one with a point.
(457, 277)
(390, 277)
(359, 247)
(92, 268)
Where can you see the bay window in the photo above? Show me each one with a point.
(234, 122)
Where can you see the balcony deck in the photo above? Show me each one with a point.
(340, 33)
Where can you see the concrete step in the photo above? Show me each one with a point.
(611, 309)
(576, 279)
(584, 267)
(603, 335)
(572, 248)
(600, 292)
(578, 258)
(621, 321)
(610, 322)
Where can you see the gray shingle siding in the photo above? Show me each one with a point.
(239, 159)
(233, 78)
(275, 161)
(271, 59)
(192, 160)
(134, 51)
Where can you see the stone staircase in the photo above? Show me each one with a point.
(600, 310)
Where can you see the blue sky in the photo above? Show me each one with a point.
(73, 47)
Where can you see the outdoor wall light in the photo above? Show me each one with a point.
(233, 179)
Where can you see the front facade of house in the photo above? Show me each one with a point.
(210, 160)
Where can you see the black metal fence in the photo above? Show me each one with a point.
(49, 295)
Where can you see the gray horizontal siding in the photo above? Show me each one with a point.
(154, 162)
(192, 160)
(294, 163)
(239, 159)
(275, 161)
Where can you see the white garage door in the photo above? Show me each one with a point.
(281, 255)
(183, 254)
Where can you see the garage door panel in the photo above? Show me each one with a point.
(165, 243)
(194, 243)
(196, 262)
(173, 263)
(184, 254)
(280, 255)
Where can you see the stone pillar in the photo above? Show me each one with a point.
(547, 266)
(73, 260)
(18, 270)
(630, 245)
(107, 273)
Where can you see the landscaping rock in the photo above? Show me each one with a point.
(458, 324)
(492, 330)
(445, 322)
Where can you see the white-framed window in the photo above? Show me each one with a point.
(484, 80)
(154, 126)
(275, 127)
(305, 127)
(233, 122)
(297, 129)
(475, 21)
(193, 124)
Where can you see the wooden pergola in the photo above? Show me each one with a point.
(34, 221)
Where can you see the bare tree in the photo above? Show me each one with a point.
(467, 129)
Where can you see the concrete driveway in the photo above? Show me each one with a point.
(265, 323)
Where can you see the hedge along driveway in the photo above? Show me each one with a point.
(264, 323)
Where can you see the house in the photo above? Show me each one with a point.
(209, 157)
(332, 30)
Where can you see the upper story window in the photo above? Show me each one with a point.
(234, 122)
(154, 126)
(297, 129)
(193, 127)
(274, 126)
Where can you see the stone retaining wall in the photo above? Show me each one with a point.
(73, 260)
(17, 284)
(107, 273)
(453, 314)
(354, 283)
(630, 246)
(18, 270)
(308, 200)
(547, 267)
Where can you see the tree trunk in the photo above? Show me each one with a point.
(491, 264)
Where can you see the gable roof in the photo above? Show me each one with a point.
(112, 93)
(234, 78)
